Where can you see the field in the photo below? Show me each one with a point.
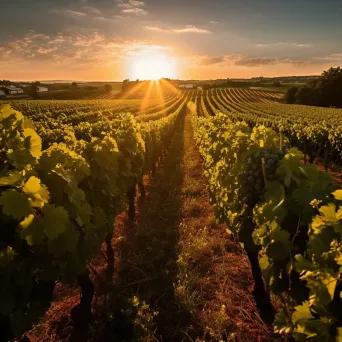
(168, 215)
(64, 91)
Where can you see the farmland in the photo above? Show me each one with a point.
(173, 212)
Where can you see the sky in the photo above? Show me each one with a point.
(102, 40)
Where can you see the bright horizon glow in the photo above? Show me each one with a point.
(152, 67)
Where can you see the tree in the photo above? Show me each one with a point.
(324, 92)
(74, 85)
(34, 90)
(290, 96)
(108, 88)
(276, 84)
(125, 85)
(5, 83)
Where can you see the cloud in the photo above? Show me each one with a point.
(71, 13)
(336, 56)
(332, 58)
(4, 52)
(73, 48)
(86, 40)
(256, 61)
(136, 3)
(91, 47)
(207, 60)
(262, 61)
(91, 10)
(303, 45)
(135, 10)
(68, 13)
(284, 44)
(89, 13)
(132, 7)
(155, 28)
(186, 29)
(191, 29)
(213, 22)
(244, 61)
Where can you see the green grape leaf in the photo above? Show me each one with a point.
(320, 240)
(278, 250)
(280, 244)
(330, 283)
(338, 259)
(328, 213)
(328, 217)
(302, 264)
(324, 286)
(64, 243)
(37, 192)
(302, 313)
(56, 220)
(28, 123)
(32, 230)
(71, 239)
(32, 186)
(289, 165)
(15, 204)
(339, 214)
(339, 335)
(338, 195)
(264, 262)
(19, 156)
(35, 142)
(11, 179)
(6, 111)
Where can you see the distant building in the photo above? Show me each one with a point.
(42, 89)
(187, 86)
(12, 90)
(2, 93)
(19, 90)
(9, 90)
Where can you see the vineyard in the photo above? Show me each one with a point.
(229, 175)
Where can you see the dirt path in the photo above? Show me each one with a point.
(214, 279)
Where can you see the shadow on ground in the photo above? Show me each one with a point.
(148, 258)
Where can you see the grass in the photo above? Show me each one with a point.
(70, 94)
(14, 97)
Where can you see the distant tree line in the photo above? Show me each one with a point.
(231, 83)
(326, 91)
(5, 83)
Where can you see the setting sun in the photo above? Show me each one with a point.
(152, 67)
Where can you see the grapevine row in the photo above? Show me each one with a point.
(58, 205)
(286, 218)
(316, 131)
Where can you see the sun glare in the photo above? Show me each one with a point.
(152, 67)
